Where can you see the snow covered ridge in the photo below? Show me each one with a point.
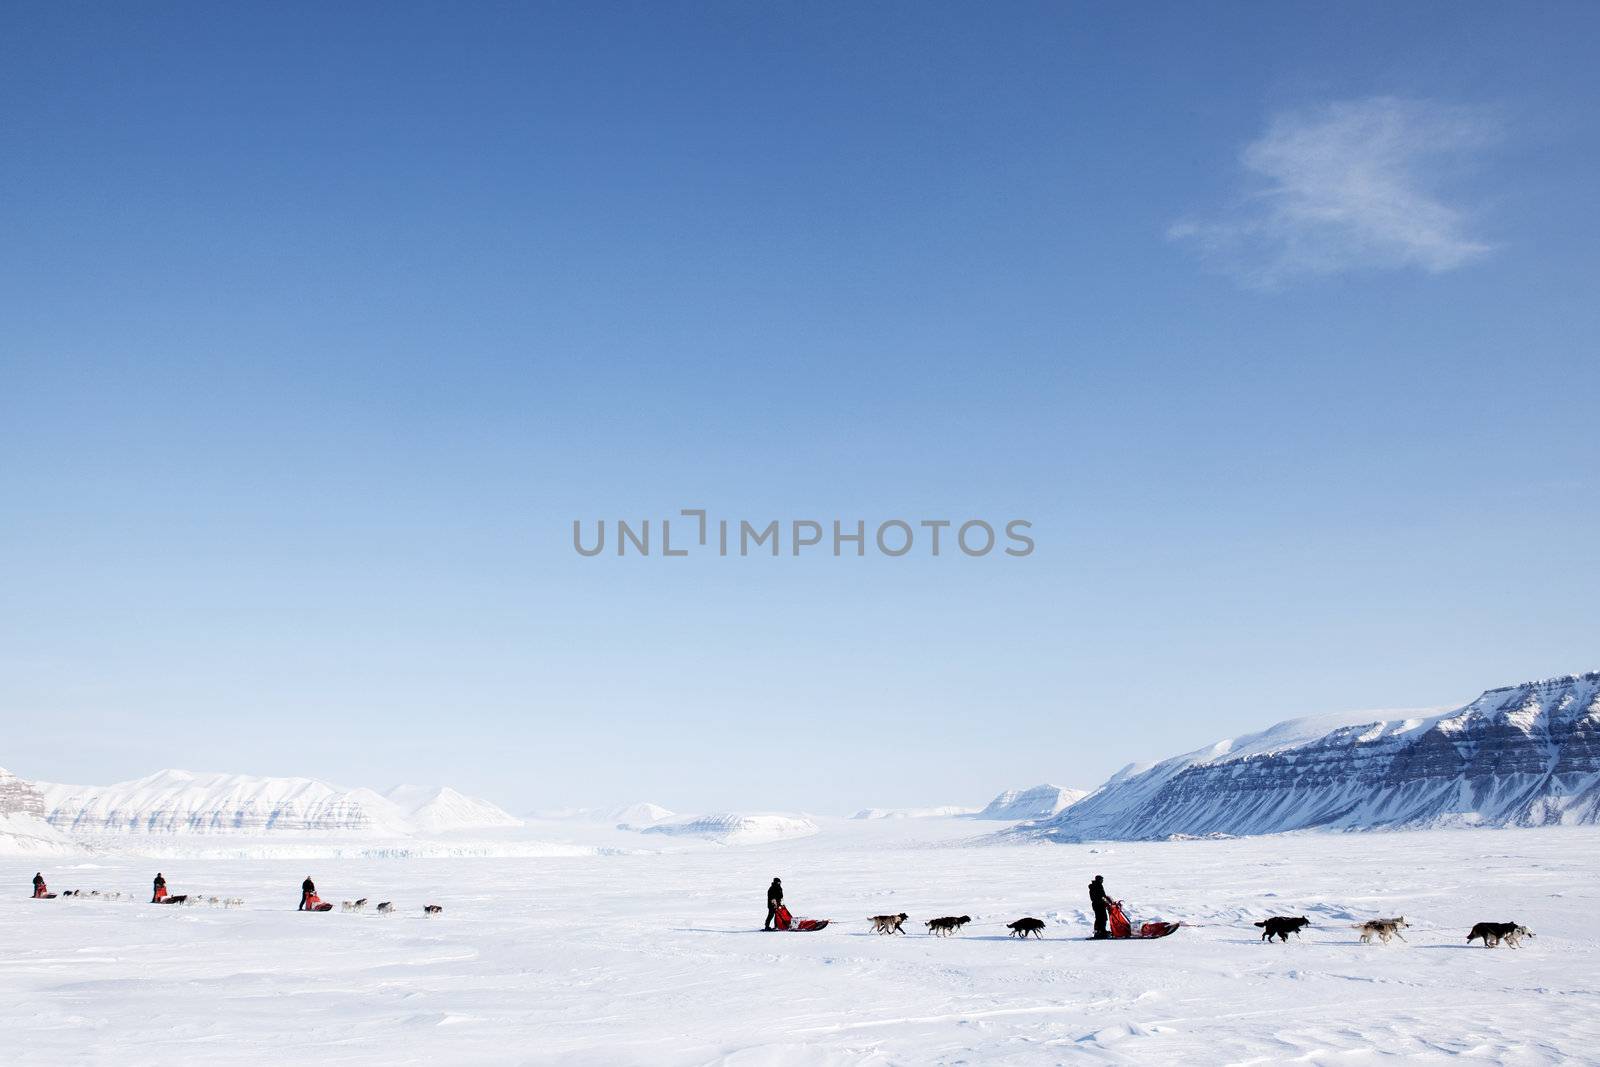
(1039, 802)
(632, 816)
(1523, 755)
(180, 802)
(730, 828)
(942, 812)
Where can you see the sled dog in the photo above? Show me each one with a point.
(946, 925)
(386, 906)
(1023, 927)
(432, 909)
(888, 924)
(1382, 929)
(1494, 933)
(1281, 926)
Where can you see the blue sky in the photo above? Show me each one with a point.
(317, 331)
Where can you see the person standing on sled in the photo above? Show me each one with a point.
(38, 885)
(774, 900)
(308, 889)
(158, 889)
(1097, 900)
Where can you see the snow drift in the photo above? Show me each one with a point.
(1524, 755)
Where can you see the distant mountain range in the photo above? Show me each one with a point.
(1523, 755)
(734, 828)
(633, 816)
(182, 802)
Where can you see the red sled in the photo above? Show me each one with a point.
(41, 893)
(314, 903)
(1122, 929)
(787, 921)
(161, 895)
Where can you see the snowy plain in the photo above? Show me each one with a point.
(635, 949)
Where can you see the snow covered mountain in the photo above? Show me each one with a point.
(1039, 802)
(443, 810)
(943, 811)
(23, 830)
(181, 802)
(1524, 755)
(629, 816)
(729, 828)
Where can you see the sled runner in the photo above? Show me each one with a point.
(1122, 929)
(786, 921)
(314, 903)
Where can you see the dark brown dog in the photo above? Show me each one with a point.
(946, 925)
(1281, 926)
(1023, 927)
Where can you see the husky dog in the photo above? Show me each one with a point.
(1023, 927)
(1383, 929)
(1494, 933)
(386, 906)
(888, 924)
(233, 902)
(432, 909)
(1281, 926)
(946, 925)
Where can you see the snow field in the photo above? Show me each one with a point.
(658, 958)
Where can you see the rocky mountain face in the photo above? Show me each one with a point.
(23, 830)
(18, 797)
(1524, 755)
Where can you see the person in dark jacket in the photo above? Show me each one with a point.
(158, 889)
(308, 889)
(38, 884)
(1097, 900)
(774, 899)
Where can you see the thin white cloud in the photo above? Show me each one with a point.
(1351, 185)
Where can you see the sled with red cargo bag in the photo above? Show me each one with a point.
(1122, 929)
(41, 892)
(314, 903)
(786, 921)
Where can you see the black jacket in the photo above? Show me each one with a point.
(307, 887)
(775, 892)
(1097, 894)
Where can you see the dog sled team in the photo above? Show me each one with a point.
(1110, 921)
(309, 901)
